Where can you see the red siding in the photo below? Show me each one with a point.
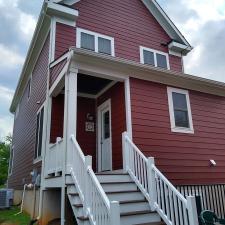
(128, 21)
(55, 71)
(116, 94)
(25, 124)
(57, 118)
(184, 158)
(65, 38)
(87, 140)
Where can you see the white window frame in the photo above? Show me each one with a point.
(17, 111)
(39, 158)
(11, 159)
(155, 58)
(29, 87)
(96, 36)
(174, 128)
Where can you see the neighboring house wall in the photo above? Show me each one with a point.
(128, 21)
(25, 124)
(118, 115)
(183, 158)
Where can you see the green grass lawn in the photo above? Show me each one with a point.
(8, 217)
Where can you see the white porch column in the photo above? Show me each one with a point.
(128, 107)
(70, 113)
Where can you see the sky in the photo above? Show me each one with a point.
(202, 22)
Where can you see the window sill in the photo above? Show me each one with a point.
(182, 130)
(37, 160)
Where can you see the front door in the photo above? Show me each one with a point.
(104, 137)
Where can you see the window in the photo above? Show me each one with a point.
(11, 160)
(95, 42)
(39, 133)
(29, 89)
(180, 110)
(154, 58)
(17, 111)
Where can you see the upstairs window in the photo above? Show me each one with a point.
(29, 89)
(39, 133)
(180, 110)
(11, 160)
(95, 42)
(154, 58)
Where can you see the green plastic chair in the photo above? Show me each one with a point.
(210, 218)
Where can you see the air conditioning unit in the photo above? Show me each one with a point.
(6, 198)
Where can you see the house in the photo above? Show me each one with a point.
(105, 115)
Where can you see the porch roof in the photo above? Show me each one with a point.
(110, 66)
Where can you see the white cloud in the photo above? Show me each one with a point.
(27, 24)
(6, 94)
(6, 121)
(203, 24)
(6, 126)
(9, 58)
(23, 22)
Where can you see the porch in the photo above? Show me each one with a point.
(99, 120)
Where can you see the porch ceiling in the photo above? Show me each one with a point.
(90, 84)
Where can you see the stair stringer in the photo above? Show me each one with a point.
(76, 205)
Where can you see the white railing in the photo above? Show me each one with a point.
(163, 197)
(54, 157)
(97, 206)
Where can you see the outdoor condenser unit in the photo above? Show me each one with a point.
(6, 198)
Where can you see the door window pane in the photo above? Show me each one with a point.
(180, 110)
(104, 46)
(87, 41)
(149, 57)
(161, 61)
(106, 124)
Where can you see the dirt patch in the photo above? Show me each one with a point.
(7, 223)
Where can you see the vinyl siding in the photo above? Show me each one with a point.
(25, 124)
(128, 21)
(183, 158)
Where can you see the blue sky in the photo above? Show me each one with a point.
(201, 21)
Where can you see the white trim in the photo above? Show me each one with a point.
(10, 170)
(106, 104)
(60, 10)
(17, 111)
(85, 95)
(142, 49)
(171, 90)
(42, 143)
(29, 87)
(128, 108)
(52, 40)
(164, 20)
(58, 79)
(112, 83)
(96, 36)
(59, 60)
(37, 160)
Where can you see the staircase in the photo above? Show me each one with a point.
(134, 208)
(140, 196)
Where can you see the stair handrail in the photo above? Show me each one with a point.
(163, 197)
(97, 206)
